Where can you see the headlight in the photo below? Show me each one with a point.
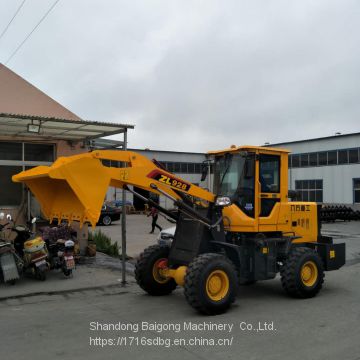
(223, 201)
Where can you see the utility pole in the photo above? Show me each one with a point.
(123, 223)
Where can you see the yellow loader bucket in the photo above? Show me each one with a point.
(72, 188)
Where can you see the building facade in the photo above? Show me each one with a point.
(325, 170)
(36, 130)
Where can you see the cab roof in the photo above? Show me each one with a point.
(252, 148)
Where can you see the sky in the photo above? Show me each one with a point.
(195, 75)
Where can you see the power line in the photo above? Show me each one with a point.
(12, 19)
(30, 33)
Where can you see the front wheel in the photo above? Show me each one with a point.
(211, 283)
(148, 271)
(302, 273)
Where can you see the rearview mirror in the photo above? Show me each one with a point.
(33, 221)
(8, 216)
(2, 216)
(204, 171)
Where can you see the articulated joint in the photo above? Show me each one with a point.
(177, 274)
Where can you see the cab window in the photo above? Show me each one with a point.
(270, 173)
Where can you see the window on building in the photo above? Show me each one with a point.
(39, 152)
(304, 160)
(343, 156)
(322, 158)
(176, 167)
(289, 161)
(10, 150)
(332, 157)
(198, 168)
(319, 184)
(15, 157)
(169, 166)
(191, 168)
(353, 156)
(313, 159)
(10, 192)
(310, 190)
(356, 187)
(295, 161)
(183, 168)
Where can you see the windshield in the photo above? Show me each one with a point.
(228, 171)
(234, 177)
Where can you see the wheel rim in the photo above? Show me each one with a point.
(157, 271)
(106, 220)
(217, 285)
(309, 273)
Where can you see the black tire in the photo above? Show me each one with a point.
(197, 278)
(144, 271)
(41, 275)
(67, 272)
(106, 220)
(296, 284)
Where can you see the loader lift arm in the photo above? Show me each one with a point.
(73, 188)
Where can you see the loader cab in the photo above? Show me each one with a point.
(254, 178)
(234, 177)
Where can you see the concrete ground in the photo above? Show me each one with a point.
(86, 276)
(57, 321)
(138, 228)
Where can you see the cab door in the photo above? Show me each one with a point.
(269, 190)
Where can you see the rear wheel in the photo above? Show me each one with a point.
(302, 274)
(210, 283)
(148, 271)
(41, 275)
(67, 272)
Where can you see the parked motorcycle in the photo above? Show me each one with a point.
(10, 264)
(33, 251)
(62, 256)
(36, 257)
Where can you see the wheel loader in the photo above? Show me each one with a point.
(246, 230)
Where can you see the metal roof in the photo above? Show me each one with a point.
(314, 139)
(59, 129)
(113, 144)
(235, 148)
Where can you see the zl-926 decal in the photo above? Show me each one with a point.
(169, 180)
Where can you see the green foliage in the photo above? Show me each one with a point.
(103, 243)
